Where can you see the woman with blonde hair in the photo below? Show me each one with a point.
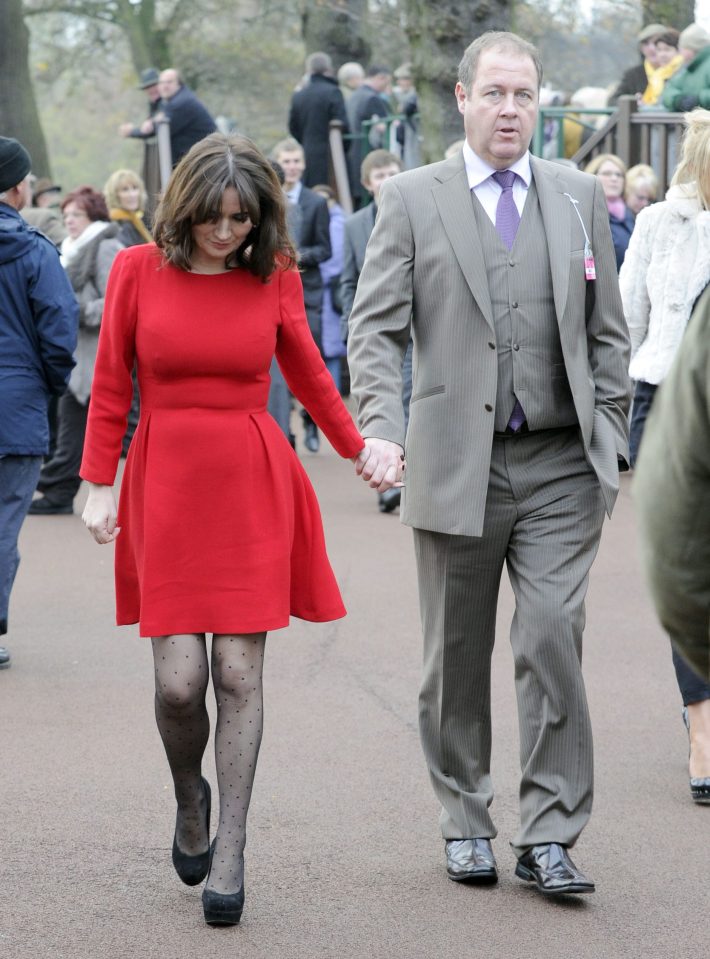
(611, 171)
(666, 269)
(641, 187)
(126, 199)
(220, 528)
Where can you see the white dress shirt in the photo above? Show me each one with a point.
(480, 180)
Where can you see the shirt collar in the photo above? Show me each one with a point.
(477, 170)
(294, 193)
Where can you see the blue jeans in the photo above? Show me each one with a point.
(18, 479)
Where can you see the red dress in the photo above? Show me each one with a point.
(220, 527)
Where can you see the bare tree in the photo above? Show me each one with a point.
(18, 109)
(147, 24)
(672, 13)
(338, 27)
(439, 32)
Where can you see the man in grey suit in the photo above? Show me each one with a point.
(502, 266)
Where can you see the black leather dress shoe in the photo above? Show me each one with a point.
(193, 869)
(4, 658)
(389, 500)
(43, 507)
(551, 869)
(471, 860)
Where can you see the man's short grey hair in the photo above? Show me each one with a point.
(351, 71)
(496, 40)
(319, 63)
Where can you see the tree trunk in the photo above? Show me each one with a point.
(149, 44)
(337, 27)
(19, 116)
(439, 32)
(672, 13)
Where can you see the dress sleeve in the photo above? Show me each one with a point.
(306, 373)
(112, 388)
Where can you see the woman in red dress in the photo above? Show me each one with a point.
(220, 528)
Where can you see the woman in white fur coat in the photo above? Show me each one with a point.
(667, 267)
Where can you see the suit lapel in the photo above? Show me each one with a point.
(453, 201)
(556, 209)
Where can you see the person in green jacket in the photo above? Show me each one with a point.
(690, 86)
(672, 493)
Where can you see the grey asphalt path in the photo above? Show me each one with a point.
(344, 857)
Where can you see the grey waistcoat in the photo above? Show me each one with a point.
(530, 361)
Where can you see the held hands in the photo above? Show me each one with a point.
(99, 514)
(381, 464)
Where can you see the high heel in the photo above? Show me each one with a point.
(699, 785)
(222, 909)
(193, 869)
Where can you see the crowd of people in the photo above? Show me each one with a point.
(495, 307)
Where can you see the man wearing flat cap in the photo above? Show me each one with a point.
(38, 326)
(44, 213)
(690, 87)
(148, 82)
(635, 79)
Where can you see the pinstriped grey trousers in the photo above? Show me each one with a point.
(544, 515)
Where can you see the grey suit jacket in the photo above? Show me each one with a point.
(424, 268)
(358, 228)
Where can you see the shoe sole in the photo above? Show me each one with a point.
(523, 873)
(5, 665)
(476, 878)
(222, 920)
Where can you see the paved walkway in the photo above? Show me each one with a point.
(344, 856)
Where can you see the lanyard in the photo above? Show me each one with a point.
(590, 272)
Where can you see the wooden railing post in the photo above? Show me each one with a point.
(626, 106)
(340, 168)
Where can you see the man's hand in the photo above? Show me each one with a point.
(381, 464)
(125, 129)
(99, 514)
(147, 127)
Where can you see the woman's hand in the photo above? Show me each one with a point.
(381, 463)
(100, 512)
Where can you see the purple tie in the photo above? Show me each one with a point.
(507, 223)
(507, 216)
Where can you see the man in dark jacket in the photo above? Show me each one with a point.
(38, 327)
(312, 109)
(309, 225)
(189, 119)
(366, 103)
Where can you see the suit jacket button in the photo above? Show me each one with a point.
(514, 304)
(492, 345)
(516, 347)
(489, 408)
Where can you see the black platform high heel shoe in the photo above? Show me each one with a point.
(193, 869)
(222, 909)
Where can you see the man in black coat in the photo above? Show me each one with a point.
(189, 119)
(312, 108)
(309, 225)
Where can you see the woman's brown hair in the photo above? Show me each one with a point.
(194, 195)
(89, 200)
